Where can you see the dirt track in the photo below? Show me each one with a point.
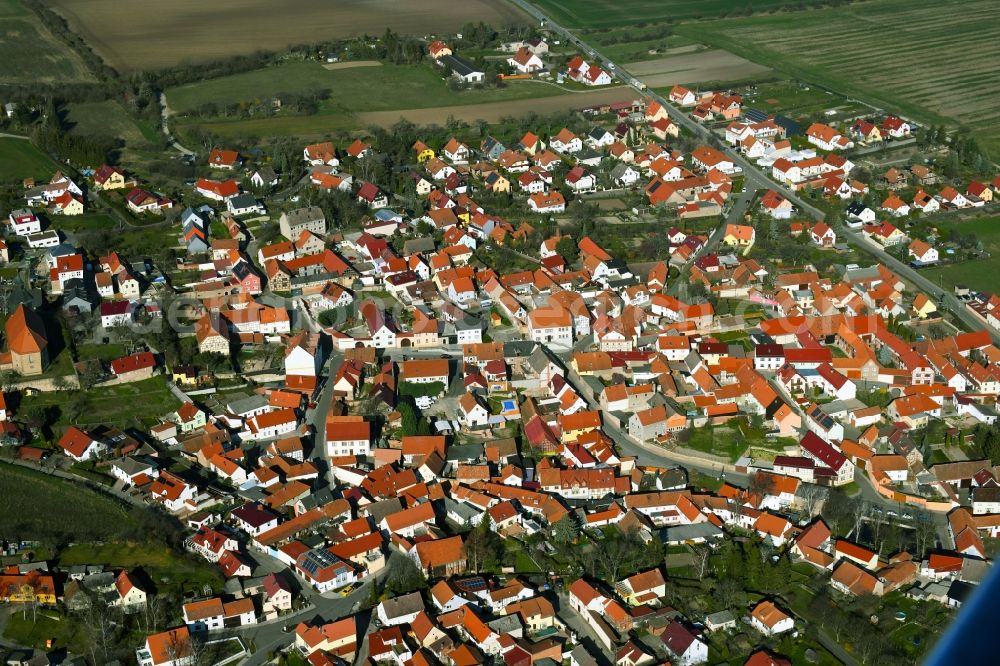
(150, 34)
(495, 111)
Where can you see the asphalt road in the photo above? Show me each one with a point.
(754, 178)
(328, 607)
(945, 298)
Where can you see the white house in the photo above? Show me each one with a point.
(474, 414)
(770, 620)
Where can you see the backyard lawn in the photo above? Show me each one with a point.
(721, 442)
(47, 625)
(122, 405)
(980, 274)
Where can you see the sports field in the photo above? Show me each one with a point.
(610, 13)
(933, 60)
(30, 54)
(150, 34)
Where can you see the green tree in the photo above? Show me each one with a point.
(483, 547)
(566, 530)
(404, 577)
(567, 249)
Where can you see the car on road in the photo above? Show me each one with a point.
(312, 405)
(288, 628)
(347, 590)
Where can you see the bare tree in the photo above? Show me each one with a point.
(103, 630)
(811, 497)
(761, 485)
(701, 558)
(859, 510)
(925, 531)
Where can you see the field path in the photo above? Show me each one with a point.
(165, 126)
(351, 64)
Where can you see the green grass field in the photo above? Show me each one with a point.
(30, 54)
(385, 88)
(630, 44)
(932, 61)
(354, 91)
(19, 159)
(604, 13)
(105, 119)
(983, 274)
(86, 222)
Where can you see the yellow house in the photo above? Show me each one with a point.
(497, 182)
(109, 178)
(579, 423)
(866, 131)
(25, 588)
(68, 204)
(423, 152)
(739, 235)
(923, 307)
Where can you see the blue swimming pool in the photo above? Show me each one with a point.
(508, 405)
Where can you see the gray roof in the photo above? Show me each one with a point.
(539, 359)
(404, 605)
(243, 201)
(319, 498)
(459, 65)
(304, 215)
(722, 617)
(266, 173)
(463, 452)
(505, 625)
(465, 511)
(423, 244)
(686, 532)
(582, 657)
(131, 466)
(383, 508)
(246, 405)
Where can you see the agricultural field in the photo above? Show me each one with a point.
(603, 13)
(131, 45)
(20, 159)
(31, 499)
(30, 54)
(932, 61)
(689, 65)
